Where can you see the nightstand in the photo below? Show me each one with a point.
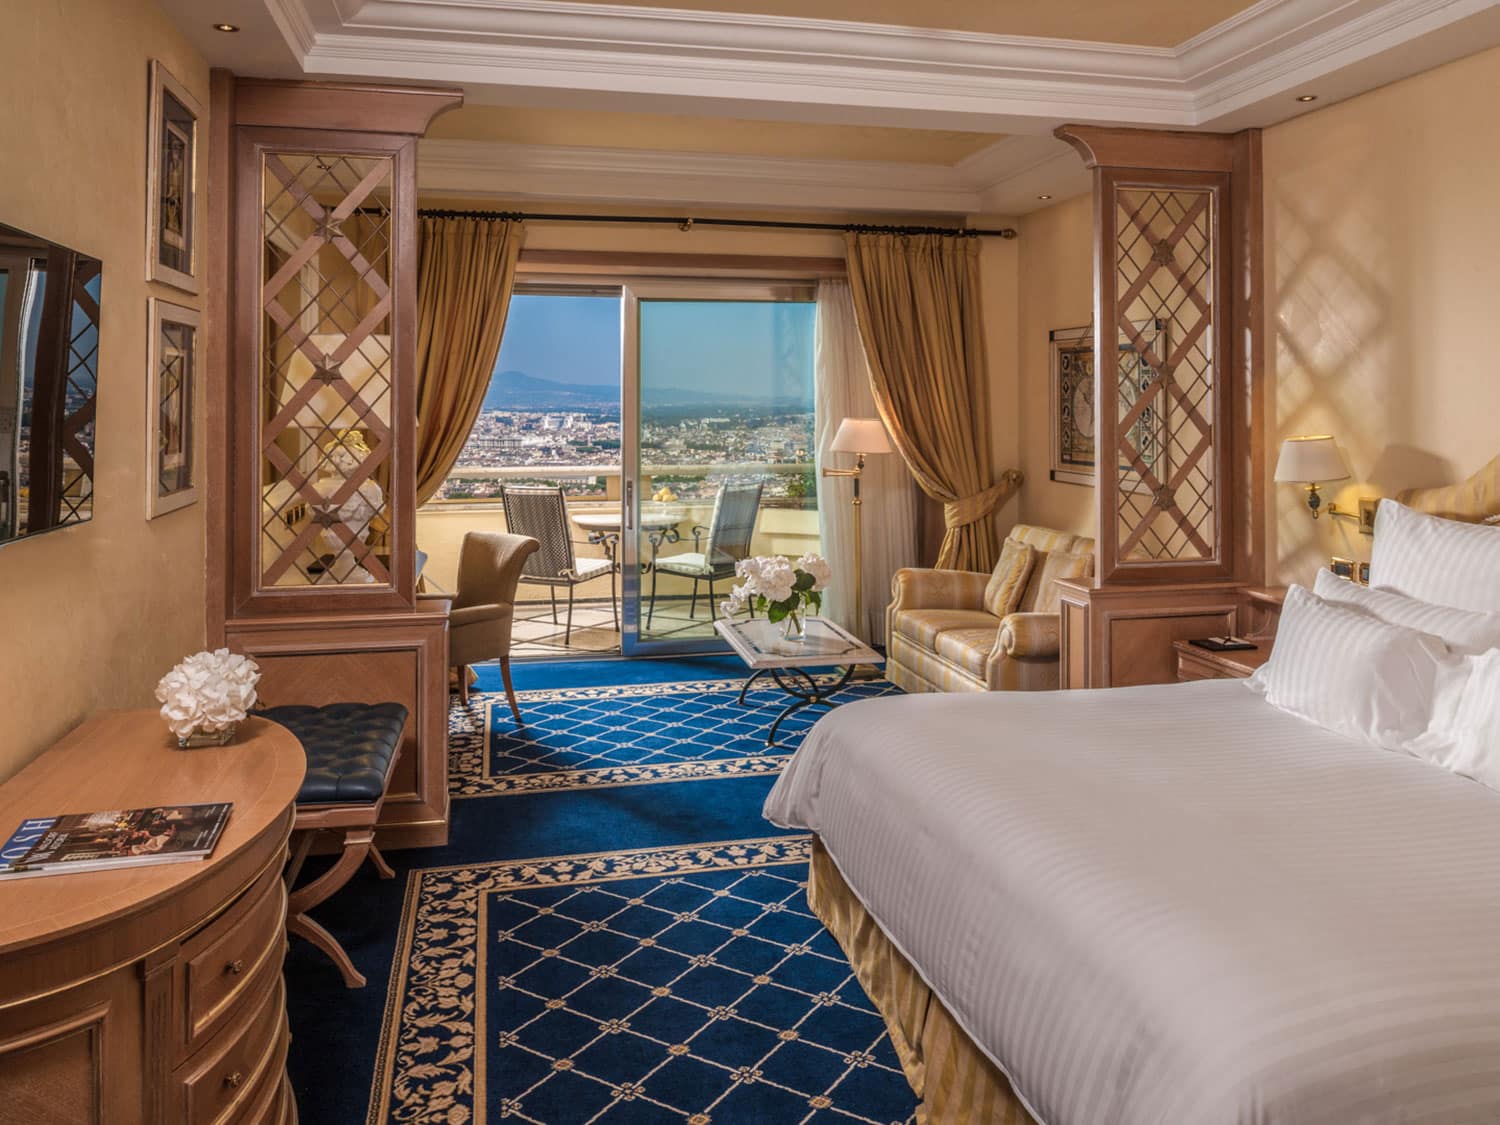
(1194, 663)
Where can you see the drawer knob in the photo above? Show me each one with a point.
(235, 967)
(233, 1080)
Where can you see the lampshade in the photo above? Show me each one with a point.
(1313, 459)
(861, 435)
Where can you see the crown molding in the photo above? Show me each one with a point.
(833, 70)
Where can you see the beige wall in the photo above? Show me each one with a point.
(1056, 291)
(1383, 268)
(93, 614)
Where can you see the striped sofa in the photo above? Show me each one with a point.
(940, 638)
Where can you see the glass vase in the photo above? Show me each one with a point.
(794, 628)
(208, 736)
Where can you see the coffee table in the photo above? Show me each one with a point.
(761, 646)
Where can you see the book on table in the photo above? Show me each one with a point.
(75, 842)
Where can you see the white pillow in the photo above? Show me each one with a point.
(1465, 737)
(1436, 560)
(1353, 674)
(1462, 630)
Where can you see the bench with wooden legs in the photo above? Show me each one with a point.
(350, 750)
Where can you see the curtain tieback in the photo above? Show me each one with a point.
(972, 509)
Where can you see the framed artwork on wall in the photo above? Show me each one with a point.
(171, 178)
(171, 471)
(1072, 383)
(1147, 432)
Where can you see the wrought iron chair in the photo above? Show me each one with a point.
(542, 513)
(728, 541)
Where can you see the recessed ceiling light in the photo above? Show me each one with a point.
(1307, 97)
(227, 27)
(1044, 197)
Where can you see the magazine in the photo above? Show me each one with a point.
(94, 841)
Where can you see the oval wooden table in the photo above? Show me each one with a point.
(150, 994)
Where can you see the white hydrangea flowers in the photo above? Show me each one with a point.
(208, 691)
(778, 586)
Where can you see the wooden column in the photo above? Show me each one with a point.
(312, 411)
(1179, 418)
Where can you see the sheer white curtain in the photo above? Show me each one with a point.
(890, 502)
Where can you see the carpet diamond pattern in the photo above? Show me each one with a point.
(589, 737)
(687, 984)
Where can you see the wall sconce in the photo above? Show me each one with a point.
(1316, 459)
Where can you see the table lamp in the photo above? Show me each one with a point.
(1312, 460)
(862, 437)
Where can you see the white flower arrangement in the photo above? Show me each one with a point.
(208, 691)
(779, 587)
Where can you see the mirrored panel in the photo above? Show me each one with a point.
(49, 361)
(325, 426)
(1165, 489)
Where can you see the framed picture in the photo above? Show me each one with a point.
(1072, 363)
(171, 178)
(1147, 434)
(1074, 402)
(171, 471)
(1344, 568)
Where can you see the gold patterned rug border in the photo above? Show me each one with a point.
(457, 921)
(617, 776)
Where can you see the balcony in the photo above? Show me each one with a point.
(784, 527)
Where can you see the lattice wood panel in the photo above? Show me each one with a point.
(1165, 486)
(325, 434)
(80, 396)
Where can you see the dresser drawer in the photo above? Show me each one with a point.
(240, 1067)
(240, 949)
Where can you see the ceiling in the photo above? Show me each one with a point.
(1144, 23)
(932, 107)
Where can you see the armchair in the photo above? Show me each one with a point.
(939, 636)
(484, 608)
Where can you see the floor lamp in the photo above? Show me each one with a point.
(862, 437)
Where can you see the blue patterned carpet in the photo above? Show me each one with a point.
(613, 933)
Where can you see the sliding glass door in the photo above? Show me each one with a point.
(718, 448)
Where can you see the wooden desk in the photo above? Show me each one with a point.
(150, 994)
(1194, 663)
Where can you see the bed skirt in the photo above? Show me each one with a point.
(957, 1083)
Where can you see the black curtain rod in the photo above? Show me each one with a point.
(687, 223)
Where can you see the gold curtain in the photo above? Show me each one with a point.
(466, 269)
(916, 298)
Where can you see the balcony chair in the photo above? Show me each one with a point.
(484, 608)
(728, 541)
(542, 513)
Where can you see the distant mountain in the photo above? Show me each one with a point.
(516, 390)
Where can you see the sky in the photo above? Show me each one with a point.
(725, 347)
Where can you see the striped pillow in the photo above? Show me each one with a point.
(1466, 738)
(1462, 630)
(1002, 594)
(1353, 674)
(1436, 560)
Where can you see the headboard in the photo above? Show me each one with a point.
(1474, 500)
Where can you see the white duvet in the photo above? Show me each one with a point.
(1175, 905)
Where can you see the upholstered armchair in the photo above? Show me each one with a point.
(940, 636)
(484, 607)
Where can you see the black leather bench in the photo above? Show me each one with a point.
(350, 750)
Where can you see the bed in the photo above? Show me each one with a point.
(1020, 885)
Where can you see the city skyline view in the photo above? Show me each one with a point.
(726, 391)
